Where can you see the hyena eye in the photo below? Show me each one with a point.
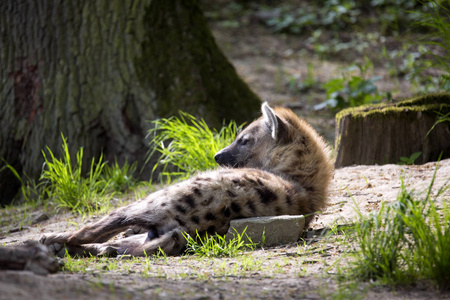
(243, 141)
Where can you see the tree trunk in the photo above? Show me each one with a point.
(98, 71)
(381, 134)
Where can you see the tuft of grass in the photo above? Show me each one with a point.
(187, 145)
(119, 179)
(76, 265)
(430, 231)
(90, 264)
(245, 265)
(348, 290)
(217, 245)
(406, 241)
(381, 240)
(66, 185)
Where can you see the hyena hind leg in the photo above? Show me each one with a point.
(109, 249)
(171, 243)
(92, 234)
(98, 232)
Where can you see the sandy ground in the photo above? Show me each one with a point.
(277, 272)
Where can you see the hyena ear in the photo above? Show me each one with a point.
(271, 120)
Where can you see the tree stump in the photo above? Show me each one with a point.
(382, 133)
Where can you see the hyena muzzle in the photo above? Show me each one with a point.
(278, 165)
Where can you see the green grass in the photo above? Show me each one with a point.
(66, 186)
(63, 184)
(430, 230)
(407, 241)
(119, 179)
(217, 246)
(344, 291)
(380, 240)
(242, 266)
(89, 264)
(187, 145)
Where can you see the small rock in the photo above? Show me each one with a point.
(29, 256)
(18, 228)
(40, 218)
(276, 230)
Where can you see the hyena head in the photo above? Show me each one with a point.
(282, 143)
(246, 150)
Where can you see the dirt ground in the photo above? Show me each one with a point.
(264, 60)
(289, 271)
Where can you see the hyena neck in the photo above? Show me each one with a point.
(309, 171)
(302, 157)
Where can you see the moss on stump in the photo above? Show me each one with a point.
(382, 133)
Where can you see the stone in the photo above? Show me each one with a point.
(29, 256)
(277, 230)
(40, 218)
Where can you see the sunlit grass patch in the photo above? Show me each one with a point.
(66, 186)
(406, 241)
(382, 245)
(74, 264)
(119, 179)
(187, 145)
(430, 230)
(217, 245)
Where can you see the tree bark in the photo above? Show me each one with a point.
(98, 71)
(381, 134)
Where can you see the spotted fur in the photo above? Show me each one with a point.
(278, 165)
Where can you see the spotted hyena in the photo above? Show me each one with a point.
(278, 165)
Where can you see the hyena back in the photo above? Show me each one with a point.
(278, 165)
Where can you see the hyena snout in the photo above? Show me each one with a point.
(224, 158)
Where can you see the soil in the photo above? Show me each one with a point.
(303, 271)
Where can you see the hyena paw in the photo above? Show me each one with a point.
(134, 230)
(55, 244)
(48, 239)
(108, 251)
